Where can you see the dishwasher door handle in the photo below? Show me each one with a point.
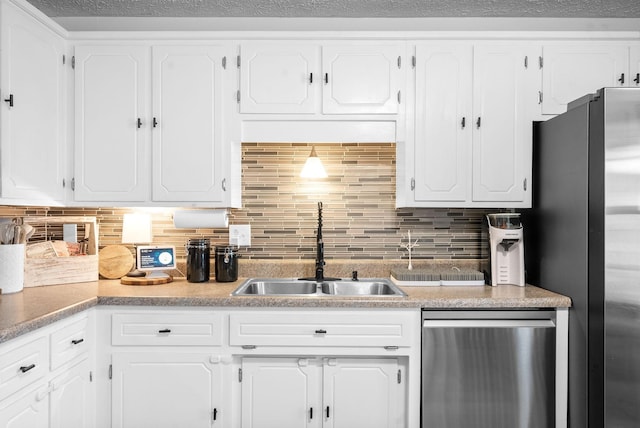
(506, 323)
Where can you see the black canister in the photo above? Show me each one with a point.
(226, 259)
(198, 254)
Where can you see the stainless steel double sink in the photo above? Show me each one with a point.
(295, 287)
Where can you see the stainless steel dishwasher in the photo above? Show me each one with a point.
(488, 369)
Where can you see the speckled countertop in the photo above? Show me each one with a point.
(39, 306)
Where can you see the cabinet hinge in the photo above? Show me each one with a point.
(413, 183)
(73, 184)
(526, 62)
(239, 375)
(238, 61)
(413, 61)
(540, 62)
(214, 415)
(399, 376)
(224, 62)
(110, 371)
(524, 184)
(90, 376)
(73, 62)
(238, 96)
(399, 62)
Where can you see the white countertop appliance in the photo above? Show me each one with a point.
(506, 249)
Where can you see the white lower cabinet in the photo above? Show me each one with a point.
(46, 379)
(29, 411)
(72, 403)
(164, 389)
(320, 392)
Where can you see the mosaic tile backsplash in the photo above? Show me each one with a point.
(360, 220)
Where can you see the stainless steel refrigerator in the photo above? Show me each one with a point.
(582, 240)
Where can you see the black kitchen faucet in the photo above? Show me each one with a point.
(320, 252)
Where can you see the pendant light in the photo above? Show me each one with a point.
(313, 168)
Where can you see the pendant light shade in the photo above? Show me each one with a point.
(313, 168)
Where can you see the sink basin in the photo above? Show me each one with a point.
(295, 287)
(268, 287)
(360, 288)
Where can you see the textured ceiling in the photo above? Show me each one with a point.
(341, 8)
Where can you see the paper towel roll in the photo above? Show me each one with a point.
(12, 268)
(198, 219)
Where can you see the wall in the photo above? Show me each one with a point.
(360, 220)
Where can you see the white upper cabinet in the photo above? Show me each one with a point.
(473, 111)
(187, 124)
(634, 66)
(279, 78)
(306, 78)
(112, 122)
(504, 100)
(149, 125)
(443, 122)
(32, 118)
(572, 70)
(361, 79)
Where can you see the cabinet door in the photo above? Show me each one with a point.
(281, 393)
(187, 124)
(278, 78)
(361, 79)
(571, 71)
(111, 132)
(443, 123)
(164, 390)
(634, 66)
(29, 411)
(72, 399)
(504, 96)
(32, 130)
(361, 392)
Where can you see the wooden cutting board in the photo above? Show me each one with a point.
(128, 280)
(115, 261)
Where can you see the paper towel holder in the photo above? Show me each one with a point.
(201, 219)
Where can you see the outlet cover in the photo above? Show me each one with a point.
(240, 235)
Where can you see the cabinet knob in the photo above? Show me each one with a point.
(326, 78)
(139, 123)
(321, 331)
(478, 122)
(164, 331)
(310, 78)
(463, 123)
(9, 100)
(155, 122)
(77, 341)
(621, 79)
(637, 79)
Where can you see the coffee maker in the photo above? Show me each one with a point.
(505, 261)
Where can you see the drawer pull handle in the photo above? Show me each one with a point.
(164, 331)
(321, 331)
(25, 369)
(77, 341)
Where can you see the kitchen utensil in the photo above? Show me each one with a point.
(7, 234)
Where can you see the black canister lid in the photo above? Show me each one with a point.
(198, 243)
(226, 250)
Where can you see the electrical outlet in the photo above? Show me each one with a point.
(240, 235)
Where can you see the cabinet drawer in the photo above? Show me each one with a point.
(169, 329)
(69, 342)
(303, 328)
(22, 365)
